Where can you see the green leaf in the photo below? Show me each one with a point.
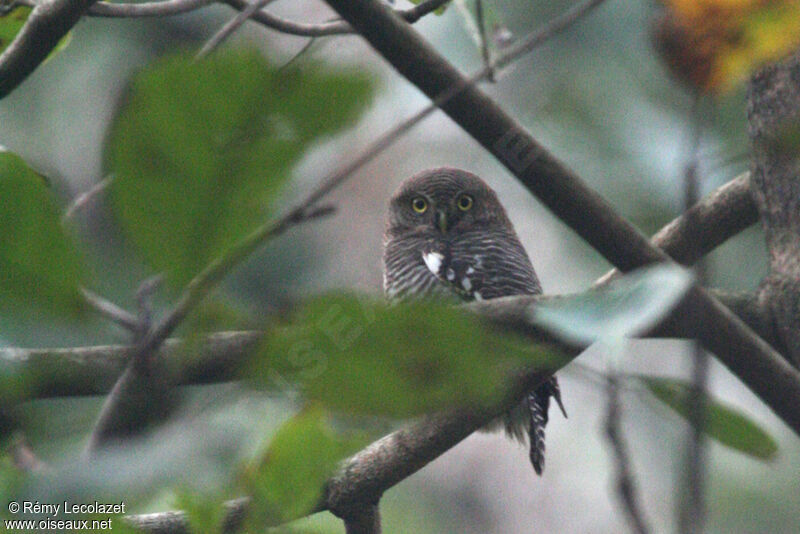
(201, 149)
(367, 357)
(288, 480)
(14, 384)
(40, 265)
(12, 21)
(725, 424)
(438, 11)
(204, 513)
(629, 306)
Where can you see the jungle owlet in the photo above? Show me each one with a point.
(447, 234)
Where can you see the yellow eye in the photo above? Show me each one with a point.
(464, 202)
(419, 205)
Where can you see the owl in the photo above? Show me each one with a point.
(447, 235)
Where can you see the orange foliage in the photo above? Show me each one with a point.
(714, 44)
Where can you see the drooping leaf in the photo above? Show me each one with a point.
(627, 307)
(11, 22)
(288, 480)
(200, 150)
(40, 266)
(725, 424)
(367, 357)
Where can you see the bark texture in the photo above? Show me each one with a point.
(774, 114)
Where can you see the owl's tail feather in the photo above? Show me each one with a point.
(538, 406)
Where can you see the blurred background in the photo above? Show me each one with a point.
(597, 97)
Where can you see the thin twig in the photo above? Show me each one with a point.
(164, 8)
(84, 198)
(100, 304)
(329, 28)
(111, 311)
(231, 26)
(299, 54)
(24, 458)
(691, 512)
(481, 22)
(625, 483)
(144, 303)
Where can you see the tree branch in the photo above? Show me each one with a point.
(143, 395)
(46, 25)
(586, 212)
(722, 214)
(231, 26)
(147, 9)
(176, 522)
(93, 370)
(111, 311)
(328, 28)
(367, 522)
(81, 200)
(692, 509)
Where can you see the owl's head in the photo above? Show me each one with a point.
(444, 201)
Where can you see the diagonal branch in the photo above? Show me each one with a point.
(722, 214)
(231, 26)
(46, 25)
(760, 367)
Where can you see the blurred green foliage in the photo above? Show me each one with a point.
(40, 265)
(364, 356)
(201, 149)
(286, 481)
(594, 95)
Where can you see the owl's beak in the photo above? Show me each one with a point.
(441, 220)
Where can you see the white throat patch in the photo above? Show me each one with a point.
(433, 260)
